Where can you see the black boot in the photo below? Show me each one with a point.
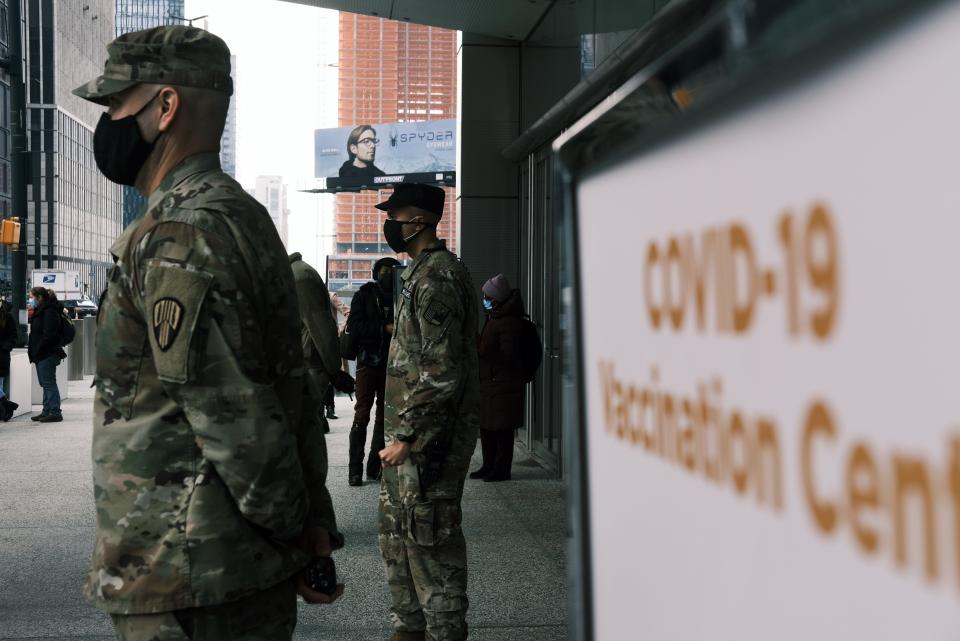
(358, 441)
(488, 448)
(373, 466)
(330, 413)
(7, 408)
(503, 460)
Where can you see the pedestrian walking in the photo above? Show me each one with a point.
(431, 424)
(8, 340)
(502, 384)
(44, 349)
(371, 322)
(209, 465)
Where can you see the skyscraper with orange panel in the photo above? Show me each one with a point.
(389, 72)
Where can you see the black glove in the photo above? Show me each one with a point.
(344, 383)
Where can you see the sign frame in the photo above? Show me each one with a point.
(608, 136)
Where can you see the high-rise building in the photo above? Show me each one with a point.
(228, 143)
(389, 72)
(272, 194)
(74, 213)
(137, 15)
(5, 143)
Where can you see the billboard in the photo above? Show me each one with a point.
(385, 154)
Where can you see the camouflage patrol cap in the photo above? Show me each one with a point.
(169, 55)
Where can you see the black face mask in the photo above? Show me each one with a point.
(119, 148)
(393, 232)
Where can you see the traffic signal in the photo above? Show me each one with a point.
(10, 232)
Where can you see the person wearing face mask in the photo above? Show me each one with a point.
(431, 423)
(209, 462)
(502, 384)
(44, 349)
(371, 321)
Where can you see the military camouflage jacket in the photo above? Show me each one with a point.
(321, 346)
(432, 372)
(205, 470)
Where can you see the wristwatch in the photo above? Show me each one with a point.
(409, 439)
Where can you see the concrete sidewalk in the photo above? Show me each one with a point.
(514, 530)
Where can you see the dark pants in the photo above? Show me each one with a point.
(270, 615)
(371, 382)
(497, 449)
(47, 377)
(328, 398)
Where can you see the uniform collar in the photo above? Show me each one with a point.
(205, 161)
(192, 165)
(428, 251)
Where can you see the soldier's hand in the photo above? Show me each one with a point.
(314, 597)
(389, 328)
(395, 454)
(315, 541)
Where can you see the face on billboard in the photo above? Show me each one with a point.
(366, 148)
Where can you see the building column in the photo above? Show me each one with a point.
(487, 183)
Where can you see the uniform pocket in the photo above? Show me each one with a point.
(434, 523)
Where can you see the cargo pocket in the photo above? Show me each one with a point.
(390, 532)
(434, 523)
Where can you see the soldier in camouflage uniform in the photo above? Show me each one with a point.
(431, 424)
(321, 346)
(209, 470)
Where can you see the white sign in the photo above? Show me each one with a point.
(65, 284)
(773, 377)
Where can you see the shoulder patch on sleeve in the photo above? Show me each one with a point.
(436, 313)
(167, 321)
(174, 300)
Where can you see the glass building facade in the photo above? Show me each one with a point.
(74, 213)
(136, 15)
(5, 145)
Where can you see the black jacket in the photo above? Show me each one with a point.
(8, 340)
(351, 171)
(371, 310)
(46, 328)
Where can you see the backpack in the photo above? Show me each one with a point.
(531, 349)
(68, 331)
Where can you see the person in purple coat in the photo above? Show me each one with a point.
(502, 386)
